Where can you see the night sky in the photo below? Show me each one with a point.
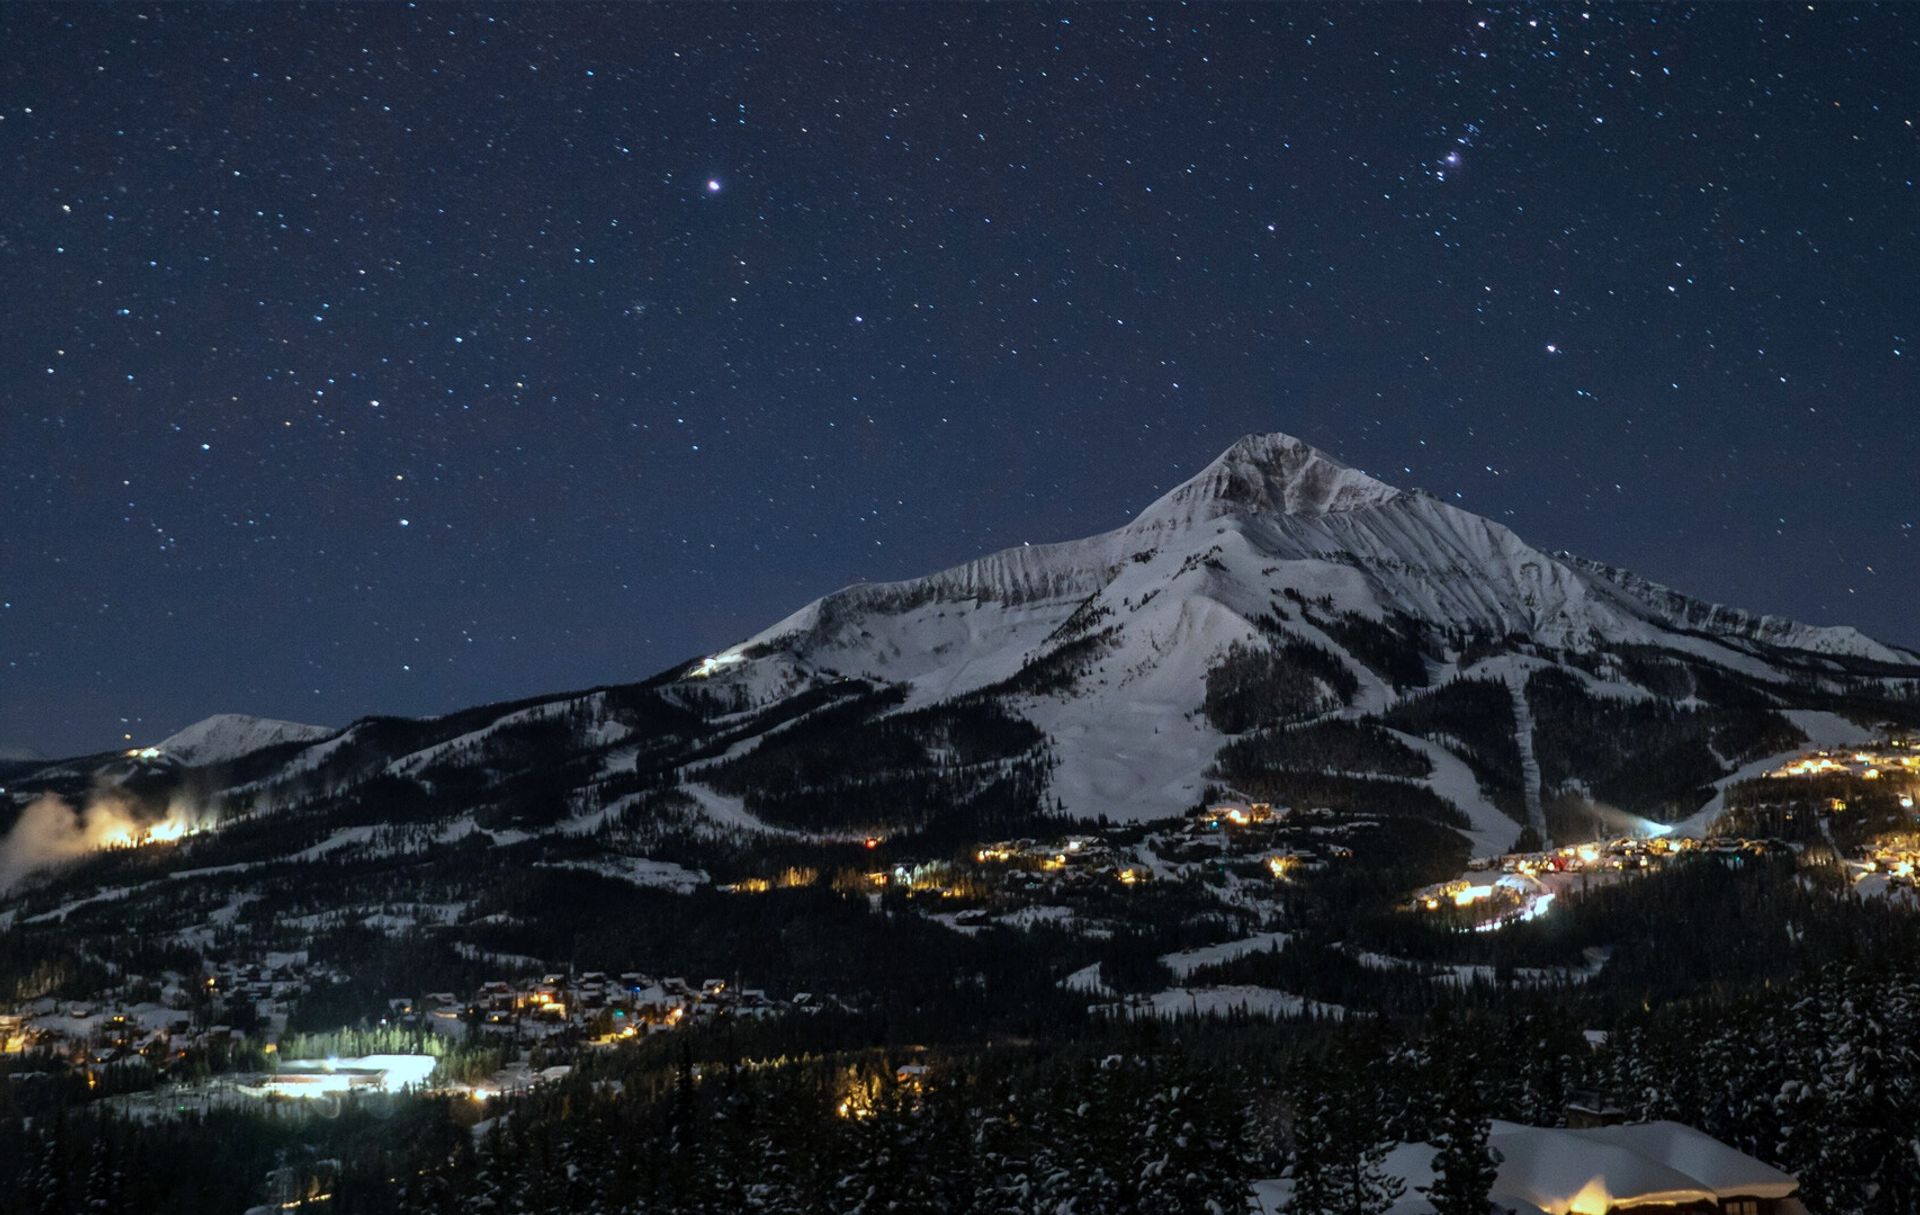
(395, 359)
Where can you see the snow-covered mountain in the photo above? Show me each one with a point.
(1274, 541)
(1272, 514)
(1281, 625)
(228, 736)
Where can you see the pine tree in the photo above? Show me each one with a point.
(585, 1166)
(732, 1141)
(1339, 1157)
(495, 1187)
(1085, 1156)
(45, 1188)
(1464, 1166)
(103, 1179)
(1000, 1128)
(1194, 1160)
(944, 1141)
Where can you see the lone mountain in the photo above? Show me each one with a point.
(1281, 627)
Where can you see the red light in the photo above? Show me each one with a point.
(873, 841)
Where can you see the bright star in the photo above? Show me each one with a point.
(713, 185)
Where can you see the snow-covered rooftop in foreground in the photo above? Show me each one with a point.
(1551, 1171)
(1728, 1173)
(1572, 1172)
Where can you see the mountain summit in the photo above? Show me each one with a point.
(1271, 474)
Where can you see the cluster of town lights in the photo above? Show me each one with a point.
(1868, 765)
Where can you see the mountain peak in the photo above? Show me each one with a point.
(1269, 474)
(226, 736)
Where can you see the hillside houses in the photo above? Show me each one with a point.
(154, 1021)
(595, 1006)
(179, 1018)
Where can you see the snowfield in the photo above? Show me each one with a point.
(1187, 961)
(1234, 1000)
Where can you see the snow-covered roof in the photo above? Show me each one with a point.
(1729, 1173)
(1620, 1167)
(1561, 1171)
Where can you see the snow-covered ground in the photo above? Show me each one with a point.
(1187, 961)
(1240, 999)
(416, 762)
(66, 909)
(1087, 980)
(1523, 727)
(638, 871)
(1463, 975)
(731, 813)
(345, 837)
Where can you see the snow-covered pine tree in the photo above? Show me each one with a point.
(495, 1188)
(104, 1182)
(586, 1166)
(1083, 1157)
(730, 1138)
(1464, 1166)
(1338, 1152)
(1194, 1164)
(44, 1189)
(882, 1175)
(944, 1143)
(1002, 1151)
(770, 1183)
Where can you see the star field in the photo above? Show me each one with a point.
(395, 359)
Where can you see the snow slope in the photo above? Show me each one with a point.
(1186, 961)
(1489, 831)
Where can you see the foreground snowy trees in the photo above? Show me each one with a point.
(1095, 1137)
(1340, 1145)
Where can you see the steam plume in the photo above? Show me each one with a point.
(51, 830)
